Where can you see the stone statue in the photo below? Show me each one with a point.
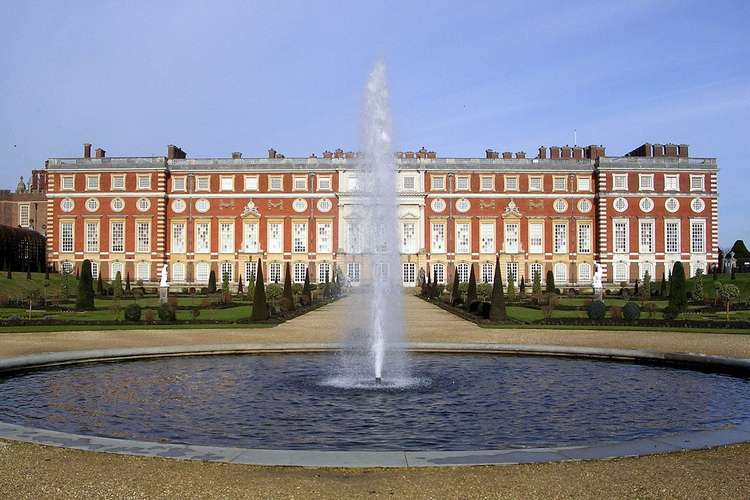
(729, 262)
(164, 282)
(21, 186)
(597, 281)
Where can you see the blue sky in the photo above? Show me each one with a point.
(216, 77)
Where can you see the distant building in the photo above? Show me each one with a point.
(561, 211)
(26, 207)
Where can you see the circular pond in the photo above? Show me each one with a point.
(293, 401)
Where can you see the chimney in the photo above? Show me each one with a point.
(422, 153)
(327, 155)
(271, 154)
(339, 153)
(670, 150)
(566, 152)
(100, 153)
(349, 155)
(682, 150)
(578, 153)
(658, 150)
(491, 154)
(542, 153)
(236, 155)
(409, 155)
(521, 155)
(507, 155)
(554, 152)
(175, 153)
(87, 150)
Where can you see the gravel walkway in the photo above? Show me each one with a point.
(31, 471)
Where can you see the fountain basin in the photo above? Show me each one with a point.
(220, 407)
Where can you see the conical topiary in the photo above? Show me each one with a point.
(212, 282)
(550, 285)
(117, 285)
(288, 294)
(497, 304)
(85, 299)
(471, 291)
(99, 285)
(306, 290)
(678, 288)
(260, 307)
(455, 291)
(127, 283)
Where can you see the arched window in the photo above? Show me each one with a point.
(143, 271)
(536, 269)
(202, 271)
(488, 272)
(274, 272)
(94, 270)
(250, 270)
(621, 272)
(299, 272)
(438, 272)
(584, 272)
(463, 272)
(227, 269)
(178, 272)
(324, 272)
(647, 267)
(561, 273)
(114, 268)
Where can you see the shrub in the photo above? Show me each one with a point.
(167, 312)
(646, 287)
(522, 288)
(306, 288)
(484, 309)
(728, 294)
(260, 304)
(474, 306)
(212, 282)
(149, 315)
(596, 310)
(195, 312)
(273, 291)
(484, 291)
(455, 290)
(615, 312)
(698, 293)
(100, 286)
(650, 308)
(511, 289)
(85, 299)
(288, 292)
(133, 312)
(117, 285)
(497, 307)
(678, 293)
(536, 285)
(550, 285)
(631, 311)
(671, 312)
(471, 289)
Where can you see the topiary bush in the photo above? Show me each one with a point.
(149, 315)
(671, 312)
(133, 312)
(167, 312)
(631, 311)
(615, 312)
(596, 310)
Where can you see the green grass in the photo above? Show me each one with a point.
(127, 326)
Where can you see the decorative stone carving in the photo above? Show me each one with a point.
(226, 204)
(275, 204)
(486, 204)
(250, 209)
(536, 204)
(511, 210)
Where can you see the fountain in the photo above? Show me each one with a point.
(373, 353)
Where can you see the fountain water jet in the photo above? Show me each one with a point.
(373, 352)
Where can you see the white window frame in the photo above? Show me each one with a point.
(325, 183)
(487, 272)
(559, 238)
(251, 183)
(511, 270)
(583, 184)
(143, 186)
(533, 179)
(274, 179)
(702, 180)
(120, 240)
(179, 184)
(698, 242)
(142, 238)
(624, 182)
(274, 272)
(559, 183)
(226, 183)
(677, 243)
(409, 243)
(533, 247)
(202, 272)
(463, 270)
(646, 238)
(202, 183)
(437, 237)
(275, 242)
(671, 177)
(486, 182)
(226, 268)
(463, 182)
(620, 236)
(487, 236)
(560, 271)
(24, 215)
(202, 245)
(67, 183)
(437, 183)
(250, 271)
(67, 237)
(143, 271)
(324, 270)
(250, 237)
(178, 272)
(353, 272)
(226, 237)
(584, 272)
(511, 183)
(92, 238)
(114, 268)
(178, 239)
(409, 273)
(646, 186)
(584, 237)
(465, 245)
(299, 270)
(113, 184)
(512, 237)
(299, 237)
(299, 183)
(620, 272)
(93, 182)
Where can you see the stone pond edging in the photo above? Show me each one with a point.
(316, 458)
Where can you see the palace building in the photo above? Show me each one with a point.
(560, 211)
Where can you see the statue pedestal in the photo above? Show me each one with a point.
(163, 294)
(598, 293)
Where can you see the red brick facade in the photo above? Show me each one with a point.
(558, 212)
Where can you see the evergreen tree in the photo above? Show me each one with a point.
(550, 287)
(715, 271)
(127, 283)
(646, 288)
(434, 292)
(522, 288)
(428, 286)
(46, 273)
(117, 285)
(511, 289)
(85, 299)
(260, 307)
(536, 285)
(497, 304)
(28, 270)
(212, 282)
(423, 284)
(663, 286)
(239, 286)
(224, 285)
(306, 290)
(288, 293)
(678, 288)
(635, 289)
(698, 291)
(669, 283)
(99, 285)
(455, 291)
(471, 291)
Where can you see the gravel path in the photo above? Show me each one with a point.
(31, 471)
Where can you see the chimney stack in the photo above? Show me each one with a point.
(565, 152)
(521, 155)
(554, 152)
(100, 153)
(327, 155)
(175, 153)
(271, 154)
(658, 150)
(236, 155)
(578, 153)
(682, 150)
(542, 153)
(507, 155)
(670, 150)
(491, 154)
(87, 150)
